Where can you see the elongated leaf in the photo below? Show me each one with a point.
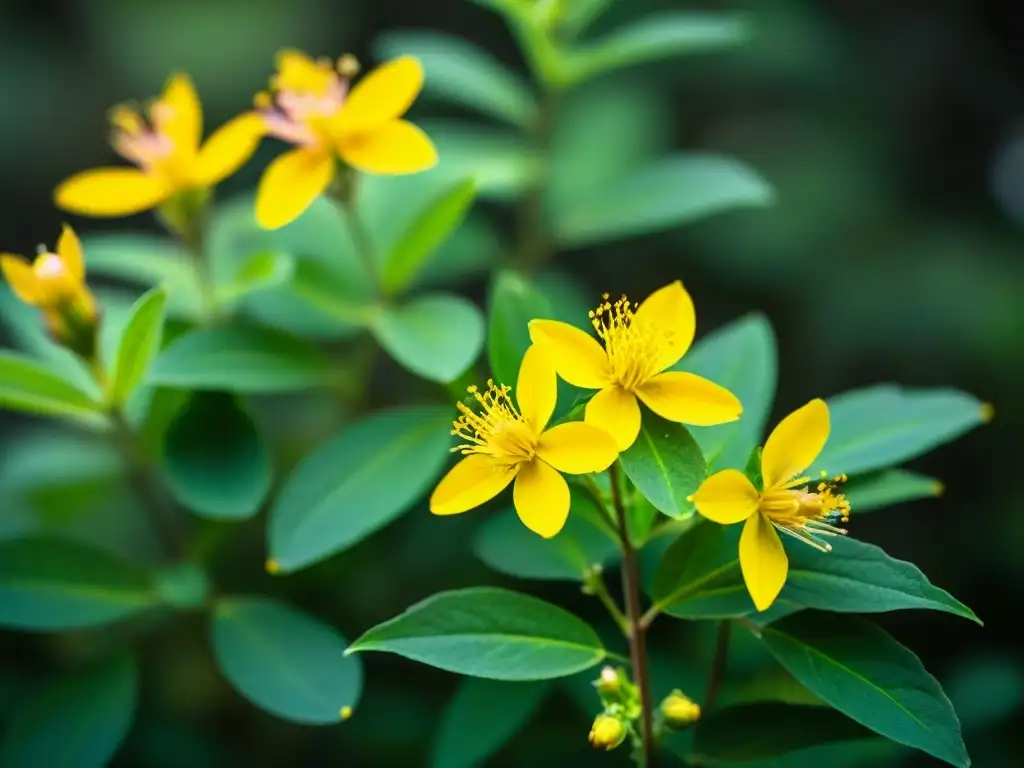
(699, 577)
(51, 584)
(244, 360)
(885, 425)
(481, 718)
(459, 71)
(437, 337)
(78, 721)
(514, 302)
(216, 461)
(356, 483)
(888, 487)
(427, 233)
(656, 37)
(665, 464)
(488, 632)
(741, 357)
(258, 272)
(669, 193)
(285, 662)
(857, 668)
(139, 343)
(31, 387)
(769, 729)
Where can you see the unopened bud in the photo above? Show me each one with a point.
(607, 732)
(348, 66)
(610, 682)
(679, 711)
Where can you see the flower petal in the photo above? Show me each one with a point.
(689, 399)
(112, 192)
(382, 96)
(795, 443)
(670, 311)
(577, 448)
(21, 278)
(617, 412)
(577, 356)
(726, 497)
(69, 248)
(228, 148)
(290, 184)
(470, 483)
(397, 147)
(537, 388)
(183, 123)
(541, 496)
(763, 561)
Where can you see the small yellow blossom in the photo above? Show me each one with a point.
(729, 497)
(679, 710)
(164, 145)
(311, 105)
(607, 732)
(640, 343)
(505, 443)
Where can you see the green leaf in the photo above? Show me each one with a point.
(285, 662)
(885, 425)
(53, 584)
(460, 72)
(185, 586)
(426, 233)
(258, 272)
(488, 632)
(244, 360)
(665, 464)
(580, 14)
(857, 668)
(767, 729)
(473, 249)
(139, 343)
(481, 718)
(357, 482)
(668, 193)
(77, 721)
(32, 387)
(742, 357)
(514, 302)
(437, 337)
(216, 462)
(656, 37)
(888, 487)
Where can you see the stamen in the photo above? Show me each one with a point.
(497, 429)
(634, 350)
(807, 515)
(802, 535)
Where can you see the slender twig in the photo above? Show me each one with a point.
(594, 585)
(361, 240)
(718, 664)
(194, 239)
(637, 633)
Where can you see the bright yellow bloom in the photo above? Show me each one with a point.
(165, 148)
(729, 497)
(311, 106)
(640, 343)
(503, 443)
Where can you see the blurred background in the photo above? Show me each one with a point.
(893, 133)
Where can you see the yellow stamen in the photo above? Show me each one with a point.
(127, 120)
(633, 349)
(498, 430)
(348, 66)
(806, 515)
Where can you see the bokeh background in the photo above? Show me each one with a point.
(893, 133)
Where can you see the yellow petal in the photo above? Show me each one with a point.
(228, 148)
(537, 388)
(21, 278)
(617, 412)
(470, 483)
(577, 356)
(382, 96)
(726, 497)
(541, 496)
(795, 443)
(183, 123)
(762, 560)
(290, 184)
(69, 248)
(689, 399)
(670, 311)
(112, 192)
(577, 448)
(397, 147)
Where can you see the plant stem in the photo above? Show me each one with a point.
(718, 664)
(594, 584)
(637, 632)
(193, 237)
(534, 240)
(362, 242)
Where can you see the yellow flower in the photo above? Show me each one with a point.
(503, 443)
(607, 732)
(639, 344)
(164, 145)
(729, 497)
(679, 710)
(311, 106)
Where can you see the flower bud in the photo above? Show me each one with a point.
(610, 682)
(607, 732)
(679, 711)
